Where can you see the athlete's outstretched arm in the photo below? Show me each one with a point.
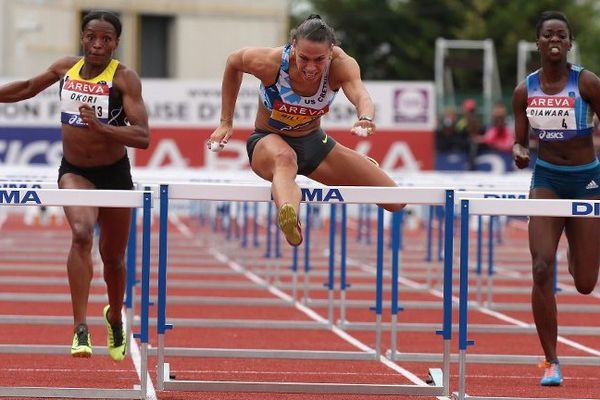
(521, 146)
(250, 60)
(354, 88)
(589, 87)
(25, 89)
(348, 75)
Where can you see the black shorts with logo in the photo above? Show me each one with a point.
(310, 149)
(116, 176)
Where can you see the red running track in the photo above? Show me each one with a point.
(37, 255)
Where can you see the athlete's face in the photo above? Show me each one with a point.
(311, 58)
(554, 39)
(99, 40)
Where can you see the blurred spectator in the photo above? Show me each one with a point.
(448, 139)
(499, 136)
(469, 126)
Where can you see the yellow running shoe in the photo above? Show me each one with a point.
(82, 342)
(290, 225)
(115, 339)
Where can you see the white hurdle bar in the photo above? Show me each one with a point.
(512, 207)
(484, 194)
(92, 198)
(318, 194)
(33, 182)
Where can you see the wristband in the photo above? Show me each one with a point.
(365, 118)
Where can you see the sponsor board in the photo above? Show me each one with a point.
(19, 197)
(184, 113)
(580, 208)
(179, 103)
(181, 148)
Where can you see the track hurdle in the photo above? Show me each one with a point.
(93, 198)
(217, 192)
(513, 207)
(35, 182)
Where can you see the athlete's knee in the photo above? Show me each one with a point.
(393, 207)
(542, 271)
(112, 262)
(285, 157)
(82, 235)
(585, 287)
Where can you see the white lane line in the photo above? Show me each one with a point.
(136, 357)
(316, 317)
(68, 370)
(498, 315)
(181, 226)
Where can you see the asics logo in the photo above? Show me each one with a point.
(74, 120)
(551, 135)
(324, 140)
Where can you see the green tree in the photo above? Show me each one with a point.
(395, 39)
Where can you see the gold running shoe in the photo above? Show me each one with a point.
(290, 224)
(115, 339)
(82, 342)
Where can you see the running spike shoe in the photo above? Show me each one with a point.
(115, 339)
(82, 342)
(290, 224)
(552, 375)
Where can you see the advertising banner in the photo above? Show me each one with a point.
(184, 113)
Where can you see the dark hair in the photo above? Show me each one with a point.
(314, 29)
(107, 16)
(548, 15)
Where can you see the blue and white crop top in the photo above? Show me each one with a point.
(561, 116)
(97, 92)
(290, 111)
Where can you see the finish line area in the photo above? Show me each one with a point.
(367, 306)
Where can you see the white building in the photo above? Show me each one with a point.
(180, 39)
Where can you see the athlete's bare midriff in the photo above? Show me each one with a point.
(577, 151)
(84, 148)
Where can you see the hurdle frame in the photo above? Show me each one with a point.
(42, 182)
(356, 194)
(94, 198)
(497, 207)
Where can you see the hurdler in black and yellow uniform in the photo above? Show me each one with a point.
(106, 101)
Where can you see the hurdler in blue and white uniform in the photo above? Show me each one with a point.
(290, 110)
(298, 84)
(556, 104)
(561, 117)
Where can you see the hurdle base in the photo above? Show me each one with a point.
(72, 393)
(296, 387)
(455, 396)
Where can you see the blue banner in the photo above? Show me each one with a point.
(30, 146)
(487, 160)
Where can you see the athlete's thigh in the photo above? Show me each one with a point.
(544, 232)
(114, 231)
(80, 218)
(344, 166)
(583, 235)
(265, 153)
